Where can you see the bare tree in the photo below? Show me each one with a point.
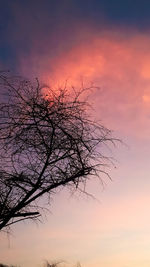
(47, 264)
(46, 142)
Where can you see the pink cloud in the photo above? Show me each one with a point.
(120, 66)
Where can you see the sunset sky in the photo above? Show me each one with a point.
(105, 42)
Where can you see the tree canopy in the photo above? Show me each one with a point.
(47, 141)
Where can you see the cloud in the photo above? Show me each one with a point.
(115, 61)
(56, 47)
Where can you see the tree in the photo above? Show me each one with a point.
(47, 141)
(47, 264)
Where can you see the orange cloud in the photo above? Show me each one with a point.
(119, 64)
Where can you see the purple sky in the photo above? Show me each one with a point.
(108, 43)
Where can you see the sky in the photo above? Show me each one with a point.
(106, 43)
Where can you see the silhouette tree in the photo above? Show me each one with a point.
(47, 141)
(47, 264)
